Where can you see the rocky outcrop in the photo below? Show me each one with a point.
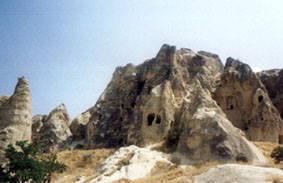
(235, 173)
(244, 99)
(169, 97)
(273, 81)
(130, 163)
(15, 115)
(3, 99)
(78, 125)
(52, 131)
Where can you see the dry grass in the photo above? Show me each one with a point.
(275, 179)
(267, 148)
(80, 163)
(85, 162)
(176, 174)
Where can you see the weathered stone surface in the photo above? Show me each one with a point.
(273, 81)
(208, 135)
(3, 99)
(234, 173)
(169, 97)
(244, 99)
(78, 125)
(52, 132)
(15, 115)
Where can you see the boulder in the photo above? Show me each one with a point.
(169, 98)
(52, 131)
(234, 173)
(244, 99)
(16, 115)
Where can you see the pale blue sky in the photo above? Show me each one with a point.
(69, 49)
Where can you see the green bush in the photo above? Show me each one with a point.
(27, 164)
(79, 146)
(277, 154)
(176, 160)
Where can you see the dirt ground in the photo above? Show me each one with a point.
(85, 162)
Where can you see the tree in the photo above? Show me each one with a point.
(27, 164)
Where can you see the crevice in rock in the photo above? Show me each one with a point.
(140, 87)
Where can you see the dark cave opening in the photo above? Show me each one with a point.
(260, 98)
(150, 119)
(140, 87)
(158, 119)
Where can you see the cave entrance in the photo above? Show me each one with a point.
(158, 119)
(280, 139)
(260, 98)
(140, 87)
(150, 119)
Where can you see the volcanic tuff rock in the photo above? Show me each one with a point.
(169, 98)
(15, 115)
(273, 81)
(78, 125)
(244, 99)
(235, 173)
(52, 132)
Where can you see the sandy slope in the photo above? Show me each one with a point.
(142, 165)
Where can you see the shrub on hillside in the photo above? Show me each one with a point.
(80, 146)
(26, 163)
(277, 154)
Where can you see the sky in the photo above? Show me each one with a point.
(68, 49)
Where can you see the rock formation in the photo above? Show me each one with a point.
(273, 81)
(52, 131)
(78, 125)
(235, 173)
(244, 99)
(15, 115)
(169, 98)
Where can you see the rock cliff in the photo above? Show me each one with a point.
(244, 99)
(16, 115)
(273, 81)
(52, 131)
(78, 125)
(169, 98)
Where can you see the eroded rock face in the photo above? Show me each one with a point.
(169, 97)
(240, 174)
(273, 81)
(15, 115)
(244, 99)
(78, 125)
(52, 131)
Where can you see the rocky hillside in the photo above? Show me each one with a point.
(52, 131)
(195, 111)
(15, 115)
(272, 79)
(134, 164)
(201, 108)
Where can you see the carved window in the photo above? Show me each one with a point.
(260, 98)
(158, 119)
(150, 119)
